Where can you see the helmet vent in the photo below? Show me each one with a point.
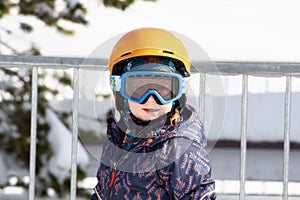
(169, 52)
(125, 54)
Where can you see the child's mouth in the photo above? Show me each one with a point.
(150, 110)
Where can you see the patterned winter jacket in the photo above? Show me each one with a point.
(168, 163)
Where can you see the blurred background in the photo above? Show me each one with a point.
(261, 31)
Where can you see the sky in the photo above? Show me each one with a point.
(247, 30)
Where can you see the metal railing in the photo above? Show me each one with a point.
(225, 68)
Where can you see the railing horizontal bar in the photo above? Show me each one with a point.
(220, 67)
(21, 61)
(250, 68)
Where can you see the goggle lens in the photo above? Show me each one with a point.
(136, 86)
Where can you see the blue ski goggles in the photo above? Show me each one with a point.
(137, 86)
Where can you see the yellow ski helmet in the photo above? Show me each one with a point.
(149, 42)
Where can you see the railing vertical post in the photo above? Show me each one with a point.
(243, 136)
(287, 119)
(202, 96)
(75, 134)
(33, 132)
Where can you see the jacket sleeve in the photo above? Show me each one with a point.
(189, 176)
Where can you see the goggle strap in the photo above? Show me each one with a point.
(115, 83)
(185, 84)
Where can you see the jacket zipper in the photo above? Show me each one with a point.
(113, 176)
(114, 172)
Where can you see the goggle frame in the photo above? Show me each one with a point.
(117, 84)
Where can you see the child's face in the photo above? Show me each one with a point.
(149, 110)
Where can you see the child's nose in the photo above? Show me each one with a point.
(151, 99)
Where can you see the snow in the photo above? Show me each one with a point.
(227, 30)
(72, 3)
(90, 113)
(60, 139)
(78, 14)
(44, 8)
(265, 119)
(222, 159)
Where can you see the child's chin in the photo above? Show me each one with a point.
(150, 117)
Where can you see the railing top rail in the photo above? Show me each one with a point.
(253, 68)
(221, 67)
(22, 61)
